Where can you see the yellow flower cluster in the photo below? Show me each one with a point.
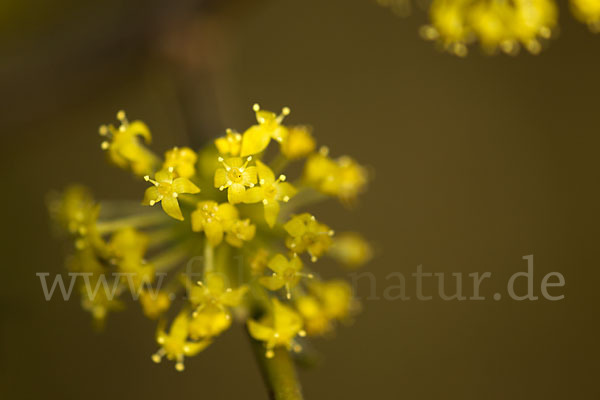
(230, 238)
(505, 25)
(496, 24)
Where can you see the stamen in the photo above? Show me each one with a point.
(147, 179)
(157, 357)
(179, 365)
(122, 117)
(284, 112)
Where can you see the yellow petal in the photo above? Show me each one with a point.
(280, 133)
(235, 194)
(287, 321)
(197, 220)
(171, 207)
(140, 129)
(295, 263)
(285, 191)
(193, 348)
(151, 194)
(271, 212)
(259, 331)
(220, 177)
(227, 214)
(278, 264)
(234, 297)
(264, 173)
(249, 176)
(184, 185)
(271, 282)
(295, 226)
(214, 232)
(163, 176)
(255, 140)
(254, 195)
(222, 145)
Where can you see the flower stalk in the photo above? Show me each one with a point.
(278, 372)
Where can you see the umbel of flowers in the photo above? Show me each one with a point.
(221, 235)
(505, 25)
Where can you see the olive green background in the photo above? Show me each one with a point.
(477, 162)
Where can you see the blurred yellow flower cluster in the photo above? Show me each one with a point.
(498, 25)
(220, 235)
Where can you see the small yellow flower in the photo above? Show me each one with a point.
(154, 304)
(587, 11)
(166, 190)
(128, 247)
(279, 328)
(214, 293)
(270, 192)
(490, 22)
(449, 25)
(336, 297)
(175, 344)
(240, 231)
(533, 18)
(257, 137)
(316, 321)
(128, 243)
(138, 271)
(328, 301)
(214, 219)
(351, 249)
(76, 212)
(125, 148)
(85, 260)
(343, 177)
(307, 234)
(182, 161)
(209, 322)
(235, 176)
(259, 261)
(100, 303)
(230, 144)
(299, 143)
(72, 208)
(285, 273)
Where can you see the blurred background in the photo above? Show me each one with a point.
(478, 162)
